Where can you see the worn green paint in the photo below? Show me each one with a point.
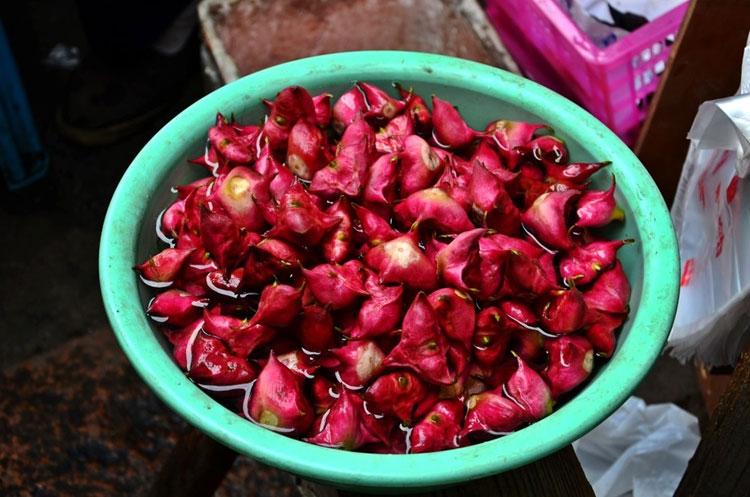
(482, 93)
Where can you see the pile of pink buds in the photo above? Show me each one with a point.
(378, 276)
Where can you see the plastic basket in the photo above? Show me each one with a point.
(615, 83)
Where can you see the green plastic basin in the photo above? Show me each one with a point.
(482, 93)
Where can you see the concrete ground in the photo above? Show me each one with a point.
(74, 417)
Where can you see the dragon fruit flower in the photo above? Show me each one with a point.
(598, 208)
(395, 394)
(490, 412)
(300, 220)
(341, 427)
(241, 337)
(381, 106)
(380, 313)
(423, 348)
(390, 138)
(347, 108)
(278, 306)
(278, 401)
(417, 108)
(173, 218)
(492, 206)
(583, 264)
(610, 292)
(546, 219)
(212, 364)
(194, 203)
(577, 172)
(420, 166)
(435, 206)
(241, 193)
(527, 275)
(225, 140)
(292, 104)
(323, 110)
(456, 185)
(359, 361)
(162, 269)
(571, 359)
(491, 336)
(450, 130)
(601, 331)
(335, 285)
(565, 311)
(548, 149)
(222, 238)
(492, 262)
(347, 172)
(458, 263)
(488, 158)
(401, 261)
(299, 363)
(509, 135)
(323, 393)
(307, 150)
(380, 185)
(456, 314)
(530, 391)
(439, 428)
(175, 308)
(225, 285)
(316, 328)
(337, 245)
(375, 227)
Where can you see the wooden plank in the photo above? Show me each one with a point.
(721, 464)
(557, 475)
(703, 65)
(195, 468)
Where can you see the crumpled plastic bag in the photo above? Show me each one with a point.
(711, 215)
(639, 451)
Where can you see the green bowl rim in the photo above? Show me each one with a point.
(650, 326)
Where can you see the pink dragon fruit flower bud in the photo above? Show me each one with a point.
(426, 404)
(278, 401)
(610, 292)
(307, 150)
(380, 313)
(491, 377)
(381, 105)
(396, 394)
(420, 166)
(488, 158)
(456, 185)
(336, 285)
(492, 262)
(435, 206)
(577, 172)
(491, 336)
(527, 275)
(507, 243)
(491, 413)
(564, 312)
(347, 172)
(528, 344)
(226, 141)
(439, 429)
(222, 238)
(598, 208)
(209, 160)
(300, 220)
(492, 206)
(417, 108)
(401, 261)
(432, 246)
(375, 227)
(359, 362)
(456, 313)
(162, 269)
(547, 217)
(530, 391)
(380, 185)
(225, 285)
(212, 364)
(390, 138)
(283, 255)
(520, 313)
(601, 331)
(347, 107)
(509, 135)
(458, 263)
(323, 393)
(548, 149)
(338, 244)
(194, 199)
(571, 359)
(323, 110)
(173, 218)
(316, 328)
(241, 193)
(292, 104)
(278, 306)
(450, 129)
(299, 363)
(241, 337)
(341, 427)
(175, 308)
(423, 347)
(584, 263)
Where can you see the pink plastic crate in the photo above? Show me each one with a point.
(615, 84)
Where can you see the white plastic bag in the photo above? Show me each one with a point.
(639, 450)
(711, 214)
